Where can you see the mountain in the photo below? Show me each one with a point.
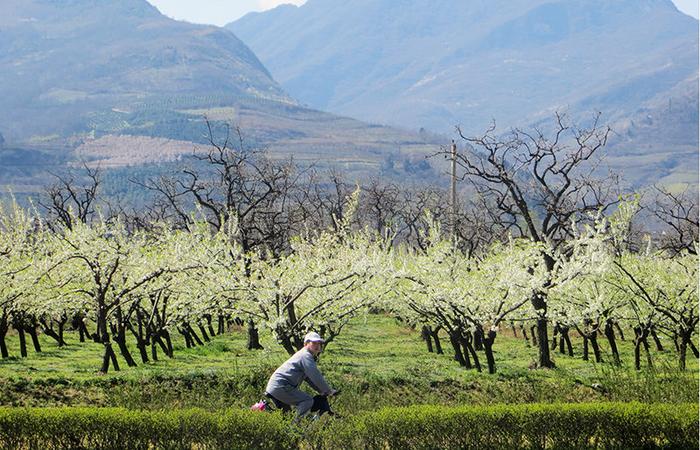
(95, 79)
(421, 63)
(66, 65)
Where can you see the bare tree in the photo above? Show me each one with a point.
(412, 228)
(536, 183)
(234, 182)
(72, 197)
(321, 200)
(380, 205)
(678, 214)
(68, 199)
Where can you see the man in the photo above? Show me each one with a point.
(283, 387)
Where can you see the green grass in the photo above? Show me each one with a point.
(376, 362)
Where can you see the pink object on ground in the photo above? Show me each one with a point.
(260, 406)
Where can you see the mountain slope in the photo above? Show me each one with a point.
(116, 82)
(421, 63)
(63, 61)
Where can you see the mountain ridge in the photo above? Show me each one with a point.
(356, 80)
(107, 81)
(434, 66)
(113, 55)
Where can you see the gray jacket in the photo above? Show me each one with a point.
(301, 366)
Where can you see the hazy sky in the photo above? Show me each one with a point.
(690, 7)
(221, 12)
(217, 12)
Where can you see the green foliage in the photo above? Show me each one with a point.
(96, 428)
(561, 426)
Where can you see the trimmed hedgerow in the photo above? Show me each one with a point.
(116, 428)
(540, 426)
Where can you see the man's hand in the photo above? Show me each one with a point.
(333, 392)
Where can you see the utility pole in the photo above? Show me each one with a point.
(453, 191)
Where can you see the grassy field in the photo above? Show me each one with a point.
(376, 362)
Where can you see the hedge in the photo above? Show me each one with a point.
(530, 426)
(556, 426)
(116, 428)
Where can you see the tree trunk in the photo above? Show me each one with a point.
(205, 336)
(193, 334)
(567, 340)
(4, 326)
(286, 342)
(221, 324)
(108, 356)
(157, 336)
(596, 348)
(189, 343)
(83, 331)
(686, 340)
(96, 337)
(458, 350)
(534, 334)
(119, 332)
(103, 333)
(77, 322)
(539, 303)
(478, 341)
(292, 317)
(57, 335)
(168, 343)
(22, 339)
(436, 337)
(154, 350)
(426, 336)
(657, 341)
(254, 337)
(610, 335)
(212, 333)
(142, 351)
(139, 335)
(61, 327)
(475, 357)
(640, 339)
(31, 330)
(488, 350)
(544, 359)
(585, 347)
(124, 350)
(463, 341)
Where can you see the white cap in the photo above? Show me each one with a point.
(313, 337)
